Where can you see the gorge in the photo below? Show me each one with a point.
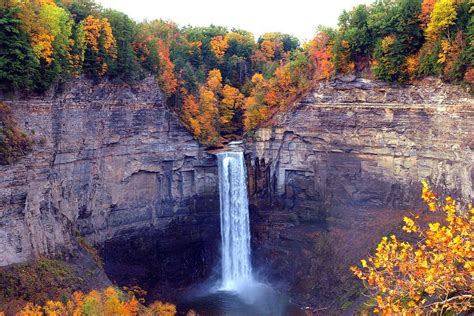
(113, 164)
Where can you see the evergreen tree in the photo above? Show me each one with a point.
(18, 66)
(126, 67)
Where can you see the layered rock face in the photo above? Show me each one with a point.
(343, 168)
(113, 164)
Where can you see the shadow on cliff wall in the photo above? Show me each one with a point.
(325, 220)
(165, 261)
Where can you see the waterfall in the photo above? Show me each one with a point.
(235, 227)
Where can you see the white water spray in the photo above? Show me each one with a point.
(235, 227)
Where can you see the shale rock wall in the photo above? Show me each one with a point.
(111, 163)
(344, 166)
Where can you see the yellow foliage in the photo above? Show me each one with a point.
(214, 80)
(162, 309)
(99, 32)
(109, 302)
(268, 49)
(42, 20)
(412, 65)
(257, 78)
(442, 17)
(219, 45)
(91, 27)
(387, 43)
(433, 275)
(232, 100)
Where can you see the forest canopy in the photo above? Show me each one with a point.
(225, 81)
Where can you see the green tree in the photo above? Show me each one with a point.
(18, 66)
(80, 9)
(390, 59)
(126, 67)
(356, 32)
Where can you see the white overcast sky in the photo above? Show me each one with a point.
(296, 17)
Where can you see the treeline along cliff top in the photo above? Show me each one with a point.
(223, 82)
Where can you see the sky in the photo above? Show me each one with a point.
(296, 17)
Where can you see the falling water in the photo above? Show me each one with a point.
(235, 228)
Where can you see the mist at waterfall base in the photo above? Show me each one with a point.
(236, 291)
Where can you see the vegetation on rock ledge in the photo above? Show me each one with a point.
(13, 142)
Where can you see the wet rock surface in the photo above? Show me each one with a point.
(114, 164)
(341, 170)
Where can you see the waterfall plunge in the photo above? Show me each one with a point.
(235, 227)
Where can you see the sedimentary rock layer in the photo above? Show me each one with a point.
(109, 162)
(344, 166)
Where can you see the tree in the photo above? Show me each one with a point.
(126, 66)
(100, 46)
(469, 76)
(208, 117)
(190, 112)
(451, 57)
(18, 67)
(434, 275)
(356, 32)
(426, 9)
(442, 17)
(390, 64)
(256, 111)
(320, 51)
(166, 76)
(109, 301)
(232, 101)
(81, 9)
(219, 45)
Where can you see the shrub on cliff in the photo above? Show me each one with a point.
(433, 275)
(13, 142)
(110, 301)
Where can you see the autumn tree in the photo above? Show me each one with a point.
(214, 80)
(256, 111)
(49, 28)
(320, 50)
(219, 45)
(450, 56)
(426, 9)
(110, 301)
(100, 46)
(433, 275)
(208, 117)
(232, 101)
(442, 17)
(191, 112)
(201, 113)
(166, 75)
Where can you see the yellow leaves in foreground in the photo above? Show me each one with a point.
(434, 275)
(109, 302)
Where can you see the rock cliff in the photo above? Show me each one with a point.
(343, 167)
(113, 164)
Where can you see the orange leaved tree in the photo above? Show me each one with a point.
(107, 302)
(433, 275)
